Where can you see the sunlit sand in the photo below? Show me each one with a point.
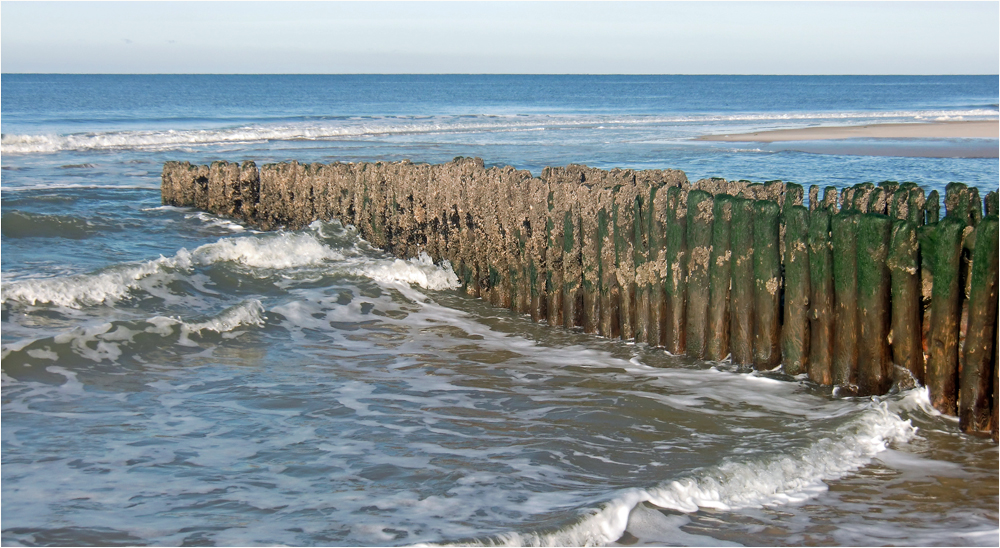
(931, 130)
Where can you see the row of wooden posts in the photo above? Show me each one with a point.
(863, 288)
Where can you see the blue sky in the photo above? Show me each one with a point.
(499, 37)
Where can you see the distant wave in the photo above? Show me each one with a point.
(344, 129)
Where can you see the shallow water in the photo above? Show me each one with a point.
(174, 378)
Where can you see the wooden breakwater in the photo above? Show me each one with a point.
(868, 286)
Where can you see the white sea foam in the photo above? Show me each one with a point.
(260, 255)
(279, 251)
(215, 221)
(104, 341)
(106, 286)
(736, 484)
(329, 130)
(420, 270)
(248, 313)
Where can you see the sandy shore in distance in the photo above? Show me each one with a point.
(933, 130)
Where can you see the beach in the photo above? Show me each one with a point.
(174, 377)
(978, 129)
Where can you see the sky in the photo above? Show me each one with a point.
(501, 37)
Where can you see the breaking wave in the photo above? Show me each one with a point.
(735, 484)
(105, 341)
(261, 257)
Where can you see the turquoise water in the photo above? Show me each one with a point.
(172, 377)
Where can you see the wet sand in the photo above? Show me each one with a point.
(932, 130)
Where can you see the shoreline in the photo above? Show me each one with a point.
(975, 129)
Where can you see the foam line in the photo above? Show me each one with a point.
(780, 479)
(327, 130)
(263, 254)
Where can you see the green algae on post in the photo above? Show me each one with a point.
(699, 233)
(767, 285)
(719, 274)
(821, 307)
(907, 314)
(844, 362)
(795, 329)
(742, 292)
(975, 390)
(675, 286)
(946, 309)
(874, 375)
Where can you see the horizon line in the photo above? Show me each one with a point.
(475, 74)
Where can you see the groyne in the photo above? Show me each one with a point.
(865, 288)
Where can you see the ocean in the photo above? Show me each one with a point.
(171, 377)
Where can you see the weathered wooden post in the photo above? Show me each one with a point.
(916, 212)
(875, 372)
(830, 199)
(609, 292)
(719, 274)
(821, 303)
(974, 402)
(767, 285)
(676, 285)
(554, 259)
(572, 266)
(844, 230)
(813, 197)
(640, 258)
(991, 203)
(795, 336)
(624, 226)
(932, 206)
(657, 265)
(699, 225)
(946, 309)
(741, 332)
(590, 255)
(907, 314)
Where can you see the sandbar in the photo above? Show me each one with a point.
(969, 129)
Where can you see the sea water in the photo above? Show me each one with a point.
(172, 377)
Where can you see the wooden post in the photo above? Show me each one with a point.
(991, 203)
(742, 292)
(657, 263)
(957, 202)
(572, 267)
(907, 309)
(813, 197)
(795, 337)
(719, 274)
(554, 261)
(875, 370)
(767, 285)
(609, 293)
(676, 286)
(946, 309)
(821, 309)
(844, 230)
(916, 211)
(932, 207)
(590, 256)
(640, 257)
(974, 403)
(624, 225)
(830, 199)
(699, 225)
